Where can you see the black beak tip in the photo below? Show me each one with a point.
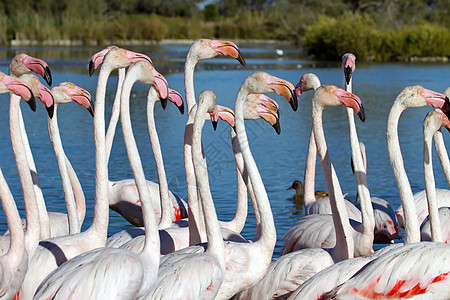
(50, 110)
(277, 127)
(48, 76)
(163, 102)
(361, 113)
(294, 100)
(91, 110)
(348, 74)
(181, 108)
(446, 107)
(241, 59)
(32, 102)
(91, 68)
(214, 124)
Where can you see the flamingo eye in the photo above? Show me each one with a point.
(331, 91)
(150, 68)
(207, 43)
(72, 86)
(253, 106)
(64, 90)
(419, 92)
(122, 53)
(20, 59)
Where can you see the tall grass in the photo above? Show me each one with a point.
(330, 37)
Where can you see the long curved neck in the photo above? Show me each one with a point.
(238, 222)
(430, 186)
(267, 238)
(213, 233)
(344, 241)
(16, 247)
(166, 211)
(43, 214)
(412, 233)
(310, 172)
(196, 225)
(55, 139)
(310, 165)
(99, 226)
(77, 190)
(189, 91)
(31, 210)
(441, 152)
(367, 216)
(151, 248)
(111, 131)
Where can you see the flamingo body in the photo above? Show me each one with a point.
(414, 271)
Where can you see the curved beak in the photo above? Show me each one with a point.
(82, 97)
(38, 66)
(228, 48)
(436, 100)
(286, 89)
(46, 97)
(21, 89)
(277, 126)
(176, 98)
(96, 60)
(163, 102)
(31, 102)
(352, 101)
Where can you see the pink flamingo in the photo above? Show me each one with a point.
(197, 275)
(317, 230)
(125, 274)
(52, 253)
(440, 232)
(123, 195)
(23, 64)
(14, 260)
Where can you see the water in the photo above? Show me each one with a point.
(280, 158)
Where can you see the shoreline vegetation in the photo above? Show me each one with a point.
(373, 30)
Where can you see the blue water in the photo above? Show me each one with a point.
(280, 158)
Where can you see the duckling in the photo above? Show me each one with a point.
(298, 186)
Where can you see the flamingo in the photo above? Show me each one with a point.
(289, 271)
(123, 195)
(317, 230)
(52, 253)
(14, 261)
(411, 96)
(308, 82)
(197, 275)
(24, 64)
(71, 223)
(440, 232)
(125, 274)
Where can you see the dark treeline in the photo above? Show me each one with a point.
(372, 29)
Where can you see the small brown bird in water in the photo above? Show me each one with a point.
(298, 186)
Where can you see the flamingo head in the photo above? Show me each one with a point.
(348, 99)
(226, 114)
(162, 87)
(23, 64)
(348, 65)
(67, 92)
(117, 58)
(41, 92)
(97, 58)
(435, 100)
(265, 108)
(176, 99)
(19, 88)
(206, 48)
(308, 81)
(279, 86)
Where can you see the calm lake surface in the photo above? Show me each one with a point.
(280, 158)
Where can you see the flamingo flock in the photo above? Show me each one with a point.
(179, 249)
